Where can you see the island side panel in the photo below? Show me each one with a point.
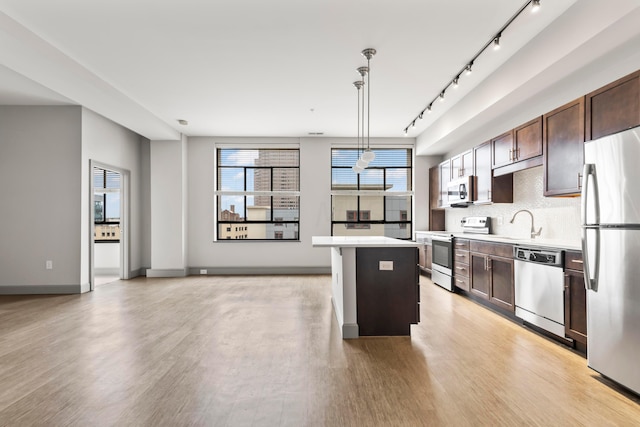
(350, 328)
(387, 300)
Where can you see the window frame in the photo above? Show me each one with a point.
(104, 222)
(359, 192)
(276, 219)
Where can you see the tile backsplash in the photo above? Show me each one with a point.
(559, 217)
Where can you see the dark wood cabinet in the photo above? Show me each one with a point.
(388, 301)
(528, 140)
(490, 189)
(563, 138)
(461, 264)
(462, 165)
(502, 147)
(575, 299)
(613, 108)
(518, 149)
(492, 273)
(424, 252)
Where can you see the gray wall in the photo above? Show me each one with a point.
(113, 145)
(40, 184)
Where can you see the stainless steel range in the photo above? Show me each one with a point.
(442, 253)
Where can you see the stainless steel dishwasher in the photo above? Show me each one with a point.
(539, 287)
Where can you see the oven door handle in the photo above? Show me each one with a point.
(442, 238)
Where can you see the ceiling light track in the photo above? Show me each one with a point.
(495, 40)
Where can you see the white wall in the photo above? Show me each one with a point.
(106, 258)
(111, 144)
(168, 185)
(40, 191)
(315, 207)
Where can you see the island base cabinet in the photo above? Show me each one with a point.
(387, 290)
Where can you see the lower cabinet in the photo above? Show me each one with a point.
(461, 264)
(424, 252)
(575, 298)
(492, 273)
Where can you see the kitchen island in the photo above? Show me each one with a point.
(374, 282)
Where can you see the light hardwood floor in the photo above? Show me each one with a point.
(266, 351)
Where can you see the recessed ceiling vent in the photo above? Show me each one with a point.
(316, 133)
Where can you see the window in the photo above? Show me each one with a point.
(352, 216)
(106, 205)
(375, 202)
(258, 190)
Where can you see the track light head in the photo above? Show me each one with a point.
(468, 68)
(358, 84)
(535, 6)
(429, 108)
(455, 82)
(413, 125)
(363, 71)
(496, 42)
(442, 96)
(406, 131)
(421, 115)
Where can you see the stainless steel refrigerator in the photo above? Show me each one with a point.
(611, 253)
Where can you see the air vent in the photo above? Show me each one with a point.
(316, 133)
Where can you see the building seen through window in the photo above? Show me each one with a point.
(257, 194)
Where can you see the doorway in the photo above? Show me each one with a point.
(109, 217)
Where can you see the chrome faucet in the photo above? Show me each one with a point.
(534, 233)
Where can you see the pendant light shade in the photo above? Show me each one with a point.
(368, 156)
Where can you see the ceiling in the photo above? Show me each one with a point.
(253, 67)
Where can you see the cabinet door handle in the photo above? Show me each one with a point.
(517, 153)
(488, 263)
(510, 154)
(579, 180)
(578, 261)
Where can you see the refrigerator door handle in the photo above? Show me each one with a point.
(589, 170)
(591, 281)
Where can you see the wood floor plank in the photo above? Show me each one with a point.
(266, 351)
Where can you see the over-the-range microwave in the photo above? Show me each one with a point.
(460, 192)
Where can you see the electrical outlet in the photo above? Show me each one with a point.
(203, 271)
(386, 265)
(499, 220)
(49, 265)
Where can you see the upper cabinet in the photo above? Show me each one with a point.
(462, 165)
(502, 149)
(613, 108)
(444, 178)
(489, 189)
(564, 149)
(518, 149)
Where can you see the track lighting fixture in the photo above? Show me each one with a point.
(495, 41)
(413, 125)
(406, 131)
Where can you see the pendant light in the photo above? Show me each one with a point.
(357, 168)
(368, 155)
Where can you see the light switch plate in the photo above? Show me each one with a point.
(386, 265)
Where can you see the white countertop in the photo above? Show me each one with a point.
(575, 245)
(361, 241)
